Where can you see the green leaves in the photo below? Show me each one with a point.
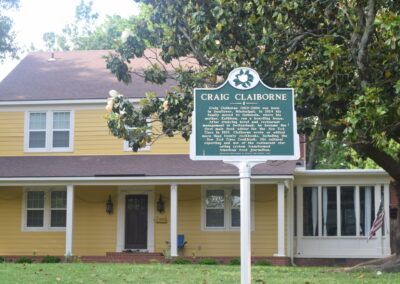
(313, 46)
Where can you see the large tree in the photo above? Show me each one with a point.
(7, 36)
(341, 56)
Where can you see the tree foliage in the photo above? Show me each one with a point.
(340, 56)
(7, 36)
(86, 33)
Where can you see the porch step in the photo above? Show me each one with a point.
(133, 254)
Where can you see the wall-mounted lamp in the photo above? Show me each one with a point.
(109, 205)
(160, 205)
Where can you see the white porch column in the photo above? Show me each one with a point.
(281, 220)
(69, 220)
(174, 220)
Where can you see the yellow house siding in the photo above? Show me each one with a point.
(95, 231)
(222, 243)
(11, 133)
(15, 242)
(91, 137)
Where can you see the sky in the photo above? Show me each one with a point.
(39, 16)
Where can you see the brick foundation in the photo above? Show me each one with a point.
(328, 261)
(113, 257)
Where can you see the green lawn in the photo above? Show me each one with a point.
(11, 273)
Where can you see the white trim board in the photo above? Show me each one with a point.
(122, 193)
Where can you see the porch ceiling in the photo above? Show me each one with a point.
(128, 165)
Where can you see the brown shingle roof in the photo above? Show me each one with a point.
(128, 165)
(73, 75)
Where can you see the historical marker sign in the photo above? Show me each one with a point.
(244, 119)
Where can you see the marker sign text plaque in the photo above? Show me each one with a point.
(244, 119)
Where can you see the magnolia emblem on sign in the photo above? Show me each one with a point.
(243, 78)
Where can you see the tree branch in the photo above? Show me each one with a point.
(364, 41)
(383, 159)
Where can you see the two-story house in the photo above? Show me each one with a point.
(68, 187)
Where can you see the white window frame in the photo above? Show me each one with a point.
(227, 210)
(142, 149)
(49, 132)
(46, 214)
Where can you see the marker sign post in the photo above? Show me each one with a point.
(244, 122)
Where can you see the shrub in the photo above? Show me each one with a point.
(181, 260)
(51, 259)
(24, 259)
(153, 260)
(234, 261)
(2, 259)
(263, 262)
(208, 261)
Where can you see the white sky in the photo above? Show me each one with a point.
(39, 16)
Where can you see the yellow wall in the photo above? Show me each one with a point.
(15, 242)
(91, 137)
(95, 231)
(203, 243)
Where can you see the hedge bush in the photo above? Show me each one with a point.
(51, 259)
(234, 261)
(181, 260)
(24, 259)
(2, 259)
(208, 261)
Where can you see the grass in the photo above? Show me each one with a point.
(11, 273)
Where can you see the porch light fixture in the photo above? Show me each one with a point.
(160, 204)
(109, 205)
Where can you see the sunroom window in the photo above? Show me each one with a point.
(353, 205)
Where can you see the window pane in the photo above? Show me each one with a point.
(61, 139)
(215, 199)
(235, 197)
(329, 211)
(37, 121)
(37, 139)
(58, 199)
(367, 209)
(215, 217)
(58, 218)
(235, 217)
(61, 120)
(35, 199)
(310, 211)
(34, 218)
(348, 217)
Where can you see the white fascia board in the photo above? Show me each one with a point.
(159, 180)
(339, 172)
(57, 102)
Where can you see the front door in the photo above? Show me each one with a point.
(136, 222)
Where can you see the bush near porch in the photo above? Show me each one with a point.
(11, 273)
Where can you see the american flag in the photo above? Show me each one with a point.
(377, 222)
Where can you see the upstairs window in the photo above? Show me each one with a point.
(49, 131)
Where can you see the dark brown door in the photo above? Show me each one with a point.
(136, 222)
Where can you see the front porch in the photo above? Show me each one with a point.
(206, 213)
